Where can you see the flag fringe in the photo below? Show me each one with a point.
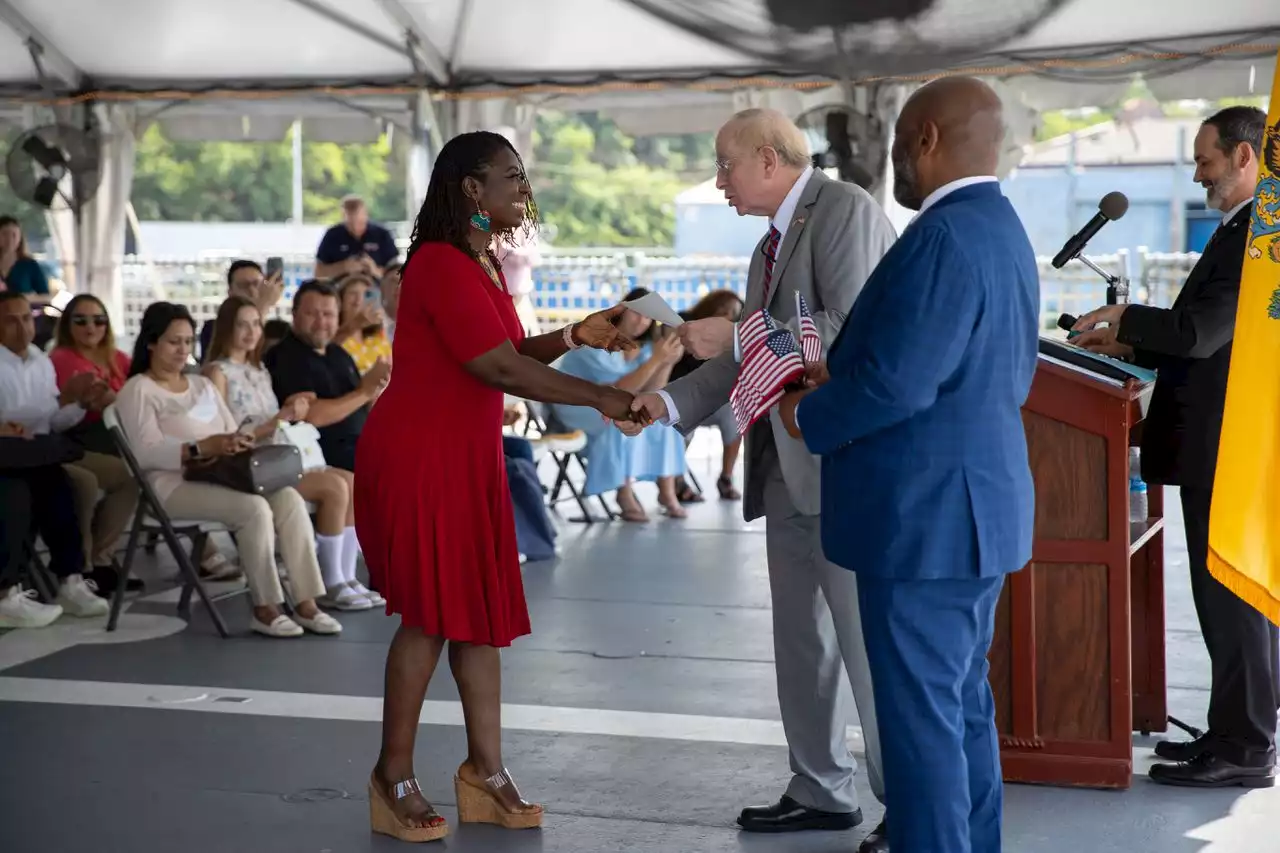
(1253, 593)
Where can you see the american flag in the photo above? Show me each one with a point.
(753, 330)
(810, 340)
(766, 369)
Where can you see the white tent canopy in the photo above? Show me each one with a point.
(197, 48)
(464, 44)
(348, 69)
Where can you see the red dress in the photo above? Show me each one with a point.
(433, 512)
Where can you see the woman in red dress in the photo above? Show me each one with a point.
(433, 512)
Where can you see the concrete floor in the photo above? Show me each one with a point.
(641, 712)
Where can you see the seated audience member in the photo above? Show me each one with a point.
(614, 460)
(38, 501)
(235, 368)
(355, 245)
(307, 361)
(171, 419)
(391, 298)
(535, 533)
(245, 278)
(726, 304)
(84, 343)
(19, 272)
(31, 405)
(360, 329)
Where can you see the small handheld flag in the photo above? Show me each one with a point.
(766, 369)
(753, 330)
(810, 340)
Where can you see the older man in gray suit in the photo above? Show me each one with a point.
(824, 239)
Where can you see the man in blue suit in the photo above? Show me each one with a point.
(926, 489)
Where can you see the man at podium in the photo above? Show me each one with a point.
(1189, 347)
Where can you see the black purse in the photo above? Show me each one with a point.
(257, 471)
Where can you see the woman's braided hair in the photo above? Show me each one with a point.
(445, 216)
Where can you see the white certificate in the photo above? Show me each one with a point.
(654, 307)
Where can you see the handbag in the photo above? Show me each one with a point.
(256, 471)
(306, 438)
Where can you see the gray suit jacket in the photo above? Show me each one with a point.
(835, 239)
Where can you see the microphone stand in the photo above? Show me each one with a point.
(1117, 285)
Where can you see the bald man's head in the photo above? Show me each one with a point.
(759, 156)
(950, 129)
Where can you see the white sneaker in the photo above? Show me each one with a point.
(19, 609)
(78, 597)
(360, 589)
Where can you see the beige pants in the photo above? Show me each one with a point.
(101, 525)
(256, 522)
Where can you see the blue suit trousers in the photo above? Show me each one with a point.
(927, 643)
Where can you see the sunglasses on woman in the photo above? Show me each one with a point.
(86, 319)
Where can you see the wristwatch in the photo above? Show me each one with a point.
(193, 450)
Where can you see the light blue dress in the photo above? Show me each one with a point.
(613, 458)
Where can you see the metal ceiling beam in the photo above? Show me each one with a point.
(428, 57)
(367, 32)
(47, 58)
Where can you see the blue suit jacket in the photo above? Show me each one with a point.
(924, 470)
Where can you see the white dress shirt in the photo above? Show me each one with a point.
(29, 393)
(780, 220)
(1226, 217)
(946, 189)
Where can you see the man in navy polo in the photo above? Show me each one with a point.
(355, 245)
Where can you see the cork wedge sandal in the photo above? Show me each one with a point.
(383, 818)
(479, 803)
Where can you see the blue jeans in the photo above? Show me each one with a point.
(535, 534)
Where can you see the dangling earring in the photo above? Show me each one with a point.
(480, 219)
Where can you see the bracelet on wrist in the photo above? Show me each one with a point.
(568, 337)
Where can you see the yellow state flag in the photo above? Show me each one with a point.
(1244, 524)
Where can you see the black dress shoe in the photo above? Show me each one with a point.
(1208, 770)
(787, 815)
(1173, 750)
(877, 841)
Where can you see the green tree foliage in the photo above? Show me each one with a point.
(597, 187)
(252, 182)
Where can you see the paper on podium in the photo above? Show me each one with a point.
(654, 307)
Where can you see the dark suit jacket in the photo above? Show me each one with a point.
(1189, 346)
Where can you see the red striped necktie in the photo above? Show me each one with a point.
(770, 255)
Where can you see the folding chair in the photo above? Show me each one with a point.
(151, 518)
(543, 418)
(42, 580)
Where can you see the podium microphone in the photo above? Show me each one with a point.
(1113, 206)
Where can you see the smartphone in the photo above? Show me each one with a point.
(275, 266)
(373, 295)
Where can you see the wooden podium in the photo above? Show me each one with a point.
(1078, 657)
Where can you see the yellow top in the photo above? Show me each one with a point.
(367, 351)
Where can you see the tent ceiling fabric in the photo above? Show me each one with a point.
(199, 70)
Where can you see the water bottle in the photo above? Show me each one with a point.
(1137, 488)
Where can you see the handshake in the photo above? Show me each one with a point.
(645, 408)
